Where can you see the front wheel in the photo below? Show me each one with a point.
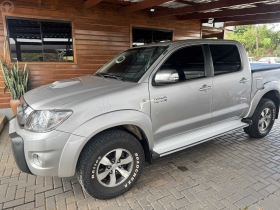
(110, 164)
(263, 119)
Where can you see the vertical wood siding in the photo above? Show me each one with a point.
(100, 33)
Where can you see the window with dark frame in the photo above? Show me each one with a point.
(188, 62)
(34, 40)
(142, 36)
(226, 59)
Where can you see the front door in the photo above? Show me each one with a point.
(185, 105)
(231, 83)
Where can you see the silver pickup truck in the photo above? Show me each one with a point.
(147, 102)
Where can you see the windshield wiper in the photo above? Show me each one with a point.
(98, 74)
(111, 76)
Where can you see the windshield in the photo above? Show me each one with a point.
(132, 64)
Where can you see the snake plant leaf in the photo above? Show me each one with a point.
(5, 89)
(15, 79)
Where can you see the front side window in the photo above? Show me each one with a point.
(132, 64)
(226, 59)
(34, 40)
(187, 62)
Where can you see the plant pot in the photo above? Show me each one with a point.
(14, 104)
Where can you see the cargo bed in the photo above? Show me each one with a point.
(264, 66)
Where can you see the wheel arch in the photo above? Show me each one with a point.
(274, 96)
(135, 131)
(271, 91)
(136, 123)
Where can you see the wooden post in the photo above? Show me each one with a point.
(18, 51)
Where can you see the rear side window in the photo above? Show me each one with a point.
(226, 59)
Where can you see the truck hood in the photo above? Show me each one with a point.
(63, 92)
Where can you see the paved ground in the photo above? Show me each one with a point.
(230, 172)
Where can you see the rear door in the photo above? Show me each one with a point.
(231, 83)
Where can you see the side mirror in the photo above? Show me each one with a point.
(166, 77)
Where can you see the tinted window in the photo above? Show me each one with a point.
(40, 40)
(132, 64)
(188, 62)
(142, 36)
(226, 59)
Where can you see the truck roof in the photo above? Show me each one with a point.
(191, 41)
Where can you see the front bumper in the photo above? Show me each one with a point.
(28, 146)
(18, 152)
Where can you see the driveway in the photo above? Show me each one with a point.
(229, 172)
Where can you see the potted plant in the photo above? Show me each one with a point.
(16, 80)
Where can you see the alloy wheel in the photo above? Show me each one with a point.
(265, 120)
(114, 167)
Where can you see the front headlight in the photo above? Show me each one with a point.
(23, 112)
(45, 121)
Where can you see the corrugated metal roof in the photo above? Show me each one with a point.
(272, 2)
(176, 4)
(173, 4)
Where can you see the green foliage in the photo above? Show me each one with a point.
(16, 80)
(277, 51)
(258, 40)
(39, 57)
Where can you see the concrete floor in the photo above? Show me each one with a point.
(229, 172)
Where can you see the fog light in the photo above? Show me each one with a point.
(37, 160)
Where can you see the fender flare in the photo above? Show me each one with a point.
(79, 138)
(270, 86)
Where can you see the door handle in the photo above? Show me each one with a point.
(205, 88)
(243, 80)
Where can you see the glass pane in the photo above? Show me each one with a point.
(142, 36)
(162, 36)
(40, 41)
(132, 64)
(188, 62)
(25, 40)
(57, 41)
(226, 59)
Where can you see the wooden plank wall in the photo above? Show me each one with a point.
(99, 34)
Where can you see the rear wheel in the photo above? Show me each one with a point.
(110, 164)
(263, 119)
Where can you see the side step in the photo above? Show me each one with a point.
(183, 141)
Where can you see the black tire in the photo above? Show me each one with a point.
(89, 164)
(254, 130)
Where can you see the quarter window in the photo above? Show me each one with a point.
(34, 40)
(188, 62)
(226, 59)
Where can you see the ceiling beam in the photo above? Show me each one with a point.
(90, 3)
(202, 7)
(141, 5)
(211, 29)
(218, 35)
(232, 12)
(268, 16)
(251, 22)
(187, 2)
